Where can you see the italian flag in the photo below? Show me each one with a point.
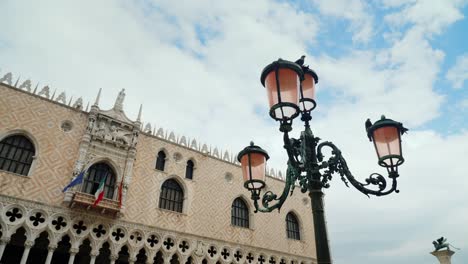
(99, 192)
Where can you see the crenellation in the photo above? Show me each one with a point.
(183, 141)
(45, 92)
(226, 156)
(61, 98)
(78, 104)
(172, 137)
(26, 85)
(148, 128)
(193, 145)
(216, 152)
(7, 78)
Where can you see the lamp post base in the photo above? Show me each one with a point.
(444, 256)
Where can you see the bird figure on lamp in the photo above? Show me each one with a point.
(301, 60)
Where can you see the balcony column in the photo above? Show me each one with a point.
(73, 252)
(27, 248)
(94, 254)
(3, 242)
(50, 253)
(114, 258)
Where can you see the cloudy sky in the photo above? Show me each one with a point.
(195, 67)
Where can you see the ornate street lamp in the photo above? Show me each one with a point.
(291, 91)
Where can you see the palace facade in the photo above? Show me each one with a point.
(167, 198)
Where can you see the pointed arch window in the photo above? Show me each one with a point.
(189, 169)
(239, 213)
(172, 196)
(16, 154)
(95, 174)
(292, 226)
(161, 160)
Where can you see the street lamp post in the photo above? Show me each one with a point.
(291, 88)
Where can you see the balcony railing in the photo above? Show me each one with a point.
(106, 206)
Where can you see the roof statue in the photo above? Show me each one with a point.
(118, 106)
(441, 243)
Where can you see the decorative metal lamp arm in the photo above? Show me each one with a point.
(269, 196)
(337, 164)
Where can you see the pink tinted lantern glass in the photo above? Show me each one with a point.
(308, 91)
(387, 143)
(289, 87)
(257, 166)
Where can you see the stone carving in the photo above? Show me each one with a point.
(101, 130)
(45, 91)
(119, 135)
(78, 104)
(7, 78)
(226, 156)
(26, 85)
(200, 249)
(62, 98)
(113, 133)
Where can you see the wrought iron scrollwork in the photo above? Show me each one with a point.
(337, 164)
(308, 169)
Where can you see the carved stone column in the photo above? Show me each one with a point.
(3, 243)
(73, 252)
(167, 258)
(50, 253)
(27, 248)
(444, 256)
(132, 260)
(114, 257)
(93, 254)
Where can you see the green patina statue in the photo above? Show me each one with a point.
(442, 243)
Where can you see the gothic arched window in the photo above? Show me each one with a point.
(172, 196)
(16, 154)
(189, 169)
(239, 213)
(292, 226)
(161, 160)
(95, 174)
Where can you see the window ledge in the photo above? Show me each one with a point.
(170, 211)
(243, 228)
(15, 174)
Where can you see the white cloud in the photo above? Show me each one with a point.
(458, 74)
(356, 11)
(431, 16)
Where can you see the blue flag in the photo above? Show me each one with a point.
(76, 181)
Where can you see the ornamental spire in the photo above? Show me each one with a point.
(139, 113)
(96, 103)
